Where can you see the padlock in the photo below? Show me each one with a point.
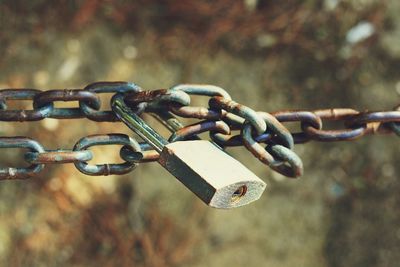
(214, 176)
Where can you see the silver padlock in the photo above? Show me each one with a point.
(214, 176)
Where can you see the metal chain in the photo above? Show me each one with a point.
(262, 133)
(37, 156)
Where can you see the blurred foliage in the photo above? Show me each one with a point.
(268, 55)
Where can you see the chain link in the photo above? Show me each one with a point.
(106, 139)
(262, 133)
(20, 172)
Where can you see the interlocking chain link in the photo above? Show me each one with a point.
(262, 133)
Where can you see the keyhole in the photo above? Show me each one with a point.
(239, 193)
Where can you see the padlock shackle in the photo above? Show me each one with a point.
(137, 124)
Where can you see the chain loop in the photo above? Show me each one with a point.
(198, 128)
(231, 140)
(58, 156)
(128, 154)
(222, 118)
(155, 99)
(304, 117)
(334, 135)
(286, 162)
(247, 113)
(376, 121)
(202, 89)
(67, 95)
(106, 139)
(20, 172)
(101, 88)
(22, 115)
(201, 113)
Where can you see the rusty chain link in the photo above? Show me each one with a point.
(262, 133)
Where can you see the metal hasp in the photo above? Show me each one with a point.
(214, 176)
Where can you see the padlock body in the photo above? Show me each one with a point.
(214, 176)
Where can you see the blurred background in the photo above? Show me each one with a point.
(270, 55)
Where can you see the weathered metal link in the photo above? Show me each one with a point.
(156, 99)
(279, 157)
(394, 126)
(152, 101)
(231, 140)
(304, 117)
(22, 115)
(20, 172)
(106, 139)
(198, 128)
(290, 163)
(247, 113)
(201, 113)
(264, 134)
(376, 121)
(105, 87)
(334, 135)
(49, 97)
(128, 154)
(58, 156)
(220, 106)
(202, 89)
(146, 153)
(274, 126)
(275, 130)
